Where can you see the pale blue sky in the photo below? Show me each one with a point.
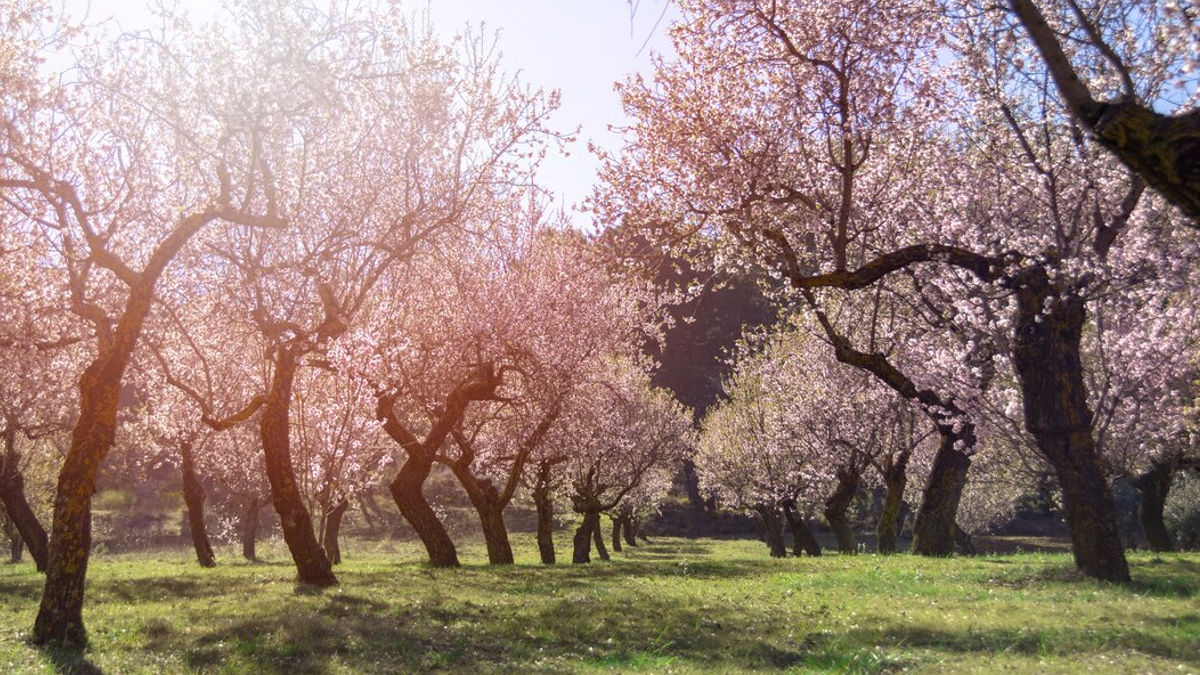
(577, 46)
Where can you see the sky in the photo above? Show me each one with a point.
(580, 47)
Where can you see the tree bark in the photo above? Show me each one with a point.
(489, 505)
(312, 565)
(193, 497)
(12, 494)
(933, 529)
(691, 482)
(1164, 150)
(629, 529)
(16, 546)
(616, 533)
(1046, 356)
(249, 528)
(545, 520)
(772, 530)
(835, 510)
(583, 537)
(598, 538)
(895, 478)
(406, 490)
(1153, 486)
(332, 529)
(803, 540)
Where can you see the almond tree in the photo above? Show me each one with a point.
(865, 154)
(116, 166)
(618, 435)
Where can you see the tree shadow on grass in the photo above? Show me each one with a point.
(360, 634)
(70, 661)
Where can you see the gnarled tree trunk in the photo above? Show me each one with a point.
(193, 497)
(933, 529)
(312, 565)
(1046, 355)
(406, 489)
(629, 530)
(803, 540)
(598, 538)
(545, 519)
(772, 529)
(895, 478)
(332, 529)
(835, 510)
(616, 533)
(583, 536)
(1153, 487)
(12, 494)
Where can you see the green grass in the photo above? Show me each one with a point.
(676, 605)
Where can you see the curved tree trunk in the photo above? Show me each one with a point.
(1153, 487)
(60, 615)
(583, 537)
(12, 494)
(406, 490)
(495, 535)
(1049, 367)
(332, 529)
(193, 497)
(803, 540)
(249, 528)
(598, 537)
(616, 533)
(895, 478)
(312, 565)
(545, 522)
(835, 510)
(933, 529)
(629, 529)
(772, 530)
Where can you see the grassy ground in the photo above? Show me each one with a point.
(676, 605)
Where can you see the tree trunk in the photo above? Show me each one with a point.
(629, 527)
(835, 510)
(895, 479)
(583, 537)
(1047, 360)
(691, 482)
(803, 540)
(312, 565)
(12, 494)
(60, 615)
(545, 522)
(487, 502)
(933, 529)
(1153, 487)
(333, 527)
(193, 497)
(772, 530)
(616, 533)
(495, 535)
(406, 490)
(16, 546)
(249, 528)
(598, 537)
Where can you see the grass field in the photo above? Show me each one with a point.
(673, 606)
